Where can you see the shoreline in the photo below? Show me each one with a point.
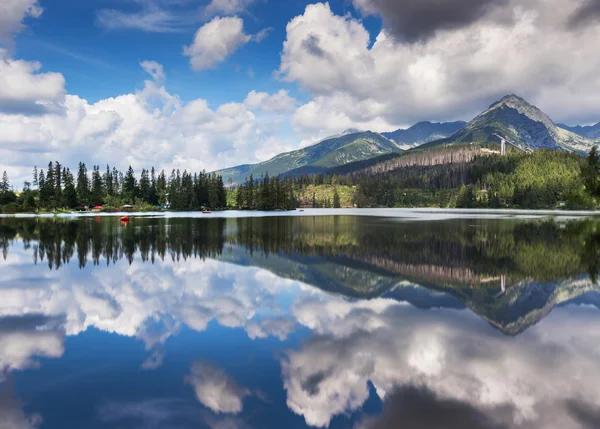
(400, 213)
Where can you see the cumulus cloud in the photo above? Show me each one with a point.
(215, 389)
(215, 41)
(280, 101)
(24, 89)
(12, 14)
(386, 83)
(226, 7)
(174, 134)
(414, 20)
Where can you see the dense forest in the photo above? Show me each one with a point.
(461, 178)
(58, 189)
(541, 180)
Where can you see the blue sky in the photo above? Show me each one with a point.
(227, 82)
(100, 62)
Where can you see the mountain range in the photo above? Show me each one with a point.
(423, 132)
(523, 126)
(591, 132)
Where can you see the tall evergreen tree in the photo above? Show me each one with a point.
(51, 186)
(153, 191)
(336, 199)
(83, 185)
(144, 186)
(161, 189)
(35, 178)
(70, 192)
(129, 186)
(4, 184)
(97, 187)
(58, 184)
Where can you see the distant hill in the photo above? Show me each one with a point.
(522, 125)
(591, 132)
(334, 151)
(424, 132)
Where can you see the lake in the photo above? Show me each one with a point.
(423, 319)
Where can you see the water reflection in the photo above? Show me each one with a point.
(285, 322)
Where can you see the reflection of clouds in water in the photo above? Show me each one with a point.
(452, 353)
(163, 413)
(215, 389)
(134, 299)
(151, 413)
(24, 337)
(11, 411)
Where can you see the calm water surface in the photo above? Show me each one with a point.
(294, 322)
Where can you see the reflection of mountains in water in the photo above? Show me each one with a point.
(511, 273)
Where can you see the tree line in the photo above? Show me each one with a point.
(58, 188)
(543, 179)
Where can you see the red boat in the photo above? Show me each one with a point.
(206, 212)
(301, 210)
(125, 219)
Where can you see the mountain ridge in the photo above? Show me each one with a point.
(330, 152)
(424, 132)
(522, 124)
(590, 131)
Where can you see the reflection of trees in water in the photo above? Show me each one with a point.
(56, 241)
(459, 251)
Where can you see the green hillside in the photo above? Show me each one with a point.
(331, 152)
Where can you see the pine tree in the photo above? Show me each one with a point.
(108, 182)
(336, 199)
(43, 203)
(35, 178)
(70, 193)
(97, 188)
(250, 193)
(4, 184)
(144, 186)
(51, 186)
(221, 193)
(58, 184)
(83, 185)
(161, 189)
(213, 195)
(153, 191)
(129, 186)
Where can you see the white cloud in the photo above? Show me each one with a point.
(215, 41)
(145, 301)
(226, 7)
(40, 118)
(12, 14)
(152, 18)
(383, 84)
(280, 101)
(215, 389)
(450, 352)
(262, 34)
(23, 88)
(154, 69)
